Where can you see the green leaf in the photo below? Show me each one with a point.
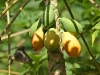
(42, 5)
(34, 27)
(97, 21)
(87, 67)
(88, 63)
(93, 72)
(94, 35)
(42, 70)
(80, 1)
(2, 2)
(97, 26)
(98, 58)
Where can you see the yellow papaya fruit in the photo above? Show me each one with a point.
(37, 39)
(71, 45)
(52, 39)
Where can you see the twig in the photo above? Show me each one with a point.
(95, 4)
(13, 3)
(9, 55)
(8, 21)
(16, 34)
(89, 50)
(20, 9)
(2, 57)
(71, 14)
(12, 72)
(8, 1)
(18, 45)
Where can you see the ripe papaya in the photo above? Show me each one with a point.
(48, 16)
(52, 39)
(71, 45)
(34, 27)
(37, 39)
(70, 25)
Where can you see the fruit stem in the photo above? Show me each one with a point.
(89, 50)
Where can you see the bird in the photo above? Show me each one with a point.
(20, 56)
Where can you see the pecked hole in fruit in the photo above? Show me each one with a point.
(74, 52)
(51, 41)
(66, 46)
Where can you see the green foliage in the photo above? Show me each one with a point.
(80, 1)
(84, 12)
(2, 2)
(38, 65)
(96, 29)
(94, 35)
(87, 67)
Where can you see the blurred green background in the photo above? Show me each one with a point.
(84, 12)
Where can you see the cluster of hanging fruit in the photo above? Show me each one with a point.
(43, 33)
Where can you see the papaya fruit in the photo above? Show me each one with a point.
(70, 25)
(71, 45)
(34, 27)
(52, 39)
(48, 16)
(37, 39)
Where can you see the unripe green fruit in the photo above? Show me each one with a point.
(71, 45)
(52, 39)
(48, 16)
(71, 26)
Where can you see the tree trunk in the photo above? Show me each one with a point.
(56, 63)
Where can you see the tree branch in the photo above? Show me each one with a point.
(12, 72)
(95, 4)
(16, 34)
(8, 21)
(70, 12)
(9, 25)
(13, 3)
